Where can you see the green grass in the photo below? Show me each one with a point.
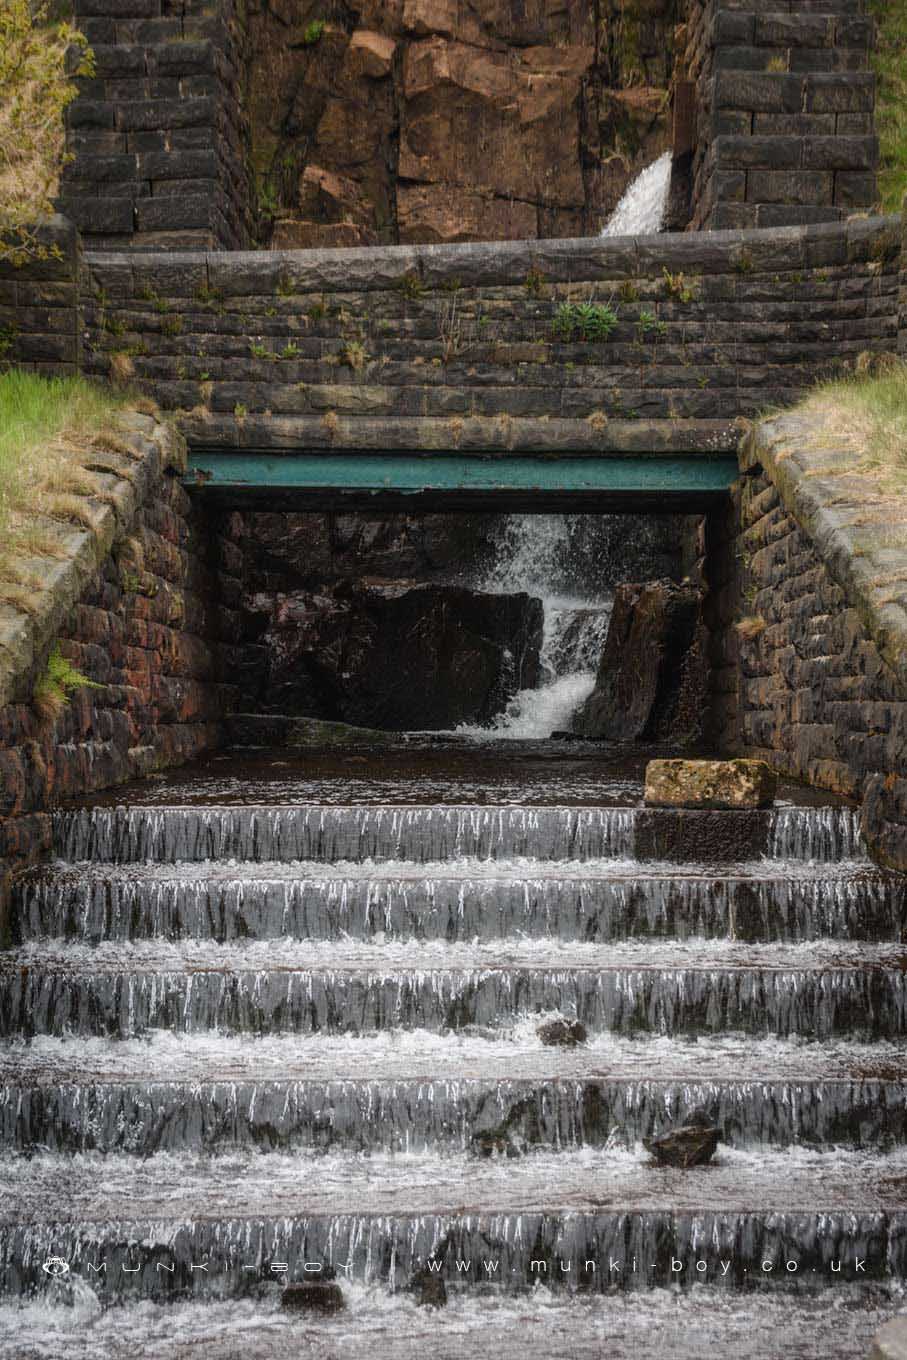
(50, 434)
(890, 63)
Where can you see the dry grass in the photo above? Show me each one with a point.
(751, 627)
(870, 410)
(51, 436)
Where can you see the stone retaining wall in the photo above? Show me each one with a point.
(807, 610)
(785, 102)
(146, 605)
(157, 135)
(454, 347)
(40, 320)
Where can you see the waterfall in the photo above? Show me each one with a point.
(534, 555)
(641, 210)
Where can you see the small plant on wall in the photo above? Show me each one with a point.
(585, 321)
(60, 681)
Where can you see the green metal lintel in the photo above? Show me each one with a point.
(439, 477)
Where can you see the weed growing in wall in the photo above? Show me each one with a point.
(585, 321)
(60, 681)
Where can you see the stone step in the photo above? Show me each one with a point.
(462, 1109)
(838, 1218)
(685, 1324)
(432, 833)
(818, 990)
(595, 901)
(51, 1189)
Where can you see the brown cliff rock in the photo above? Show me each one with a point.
(455, 119)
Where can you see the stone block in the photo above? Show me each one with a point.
(846, 92)
(768, 153)
(118, 60)
(152, 114)
(854, 189)
(767, 92)
(840, 153)
(794, 30)
(791, 187)
(733, 29)
(169, 213)
(111, 215)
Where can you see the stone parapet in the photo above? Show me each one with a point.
(807, 609)
(144, 605)
(463, 347)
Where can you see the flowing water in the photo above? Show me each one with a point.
(641, 210)
(535, 554)
(244, 1035)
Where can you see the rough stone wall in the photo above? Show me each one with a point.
(785, 116)
(158, 135)
(452, 120)
(40, 323)
(802, 675)
(454, 348)
(153, 629)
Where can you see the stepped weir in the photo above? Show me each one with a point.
(282, 1015)
(246, 1036)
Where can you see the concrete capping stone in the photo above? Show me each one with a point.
(496, 263)
(812, 483)
(25, 640)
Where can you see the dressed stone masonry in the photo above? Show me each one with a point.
(453, 347)
(145, 604)
(784, 123)
(808, 612)
(158, 135)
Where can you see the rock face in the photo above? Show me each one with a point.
(288, 551)
(710, 784)
(651, 676)
(448, 120)
(396, 655)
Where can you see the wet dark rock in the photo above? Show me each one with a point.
(297, 551)
(320, 1294)
(691, 1144)
(562, 1033)
(396, 655)
(651, 678)
(429, 1289)
(497, 1142)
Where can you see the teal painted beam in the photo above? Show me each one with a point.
(451, 479)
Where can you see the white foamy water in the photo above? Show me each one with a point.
(641, 210)
(534, 556)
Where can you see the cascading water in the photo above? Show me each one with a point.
(641, 210)
(534, 555)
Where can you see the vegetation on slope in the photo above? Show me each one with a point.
(38, 59)
(890, 63)
(871, 409)
(56, 436)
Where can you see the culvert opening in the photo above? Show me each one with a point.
(478, 628)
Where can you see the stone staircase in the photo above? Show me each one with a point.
(241, 1039)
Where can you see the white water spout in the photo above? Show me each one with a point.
(534, 555)
(641, 210)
